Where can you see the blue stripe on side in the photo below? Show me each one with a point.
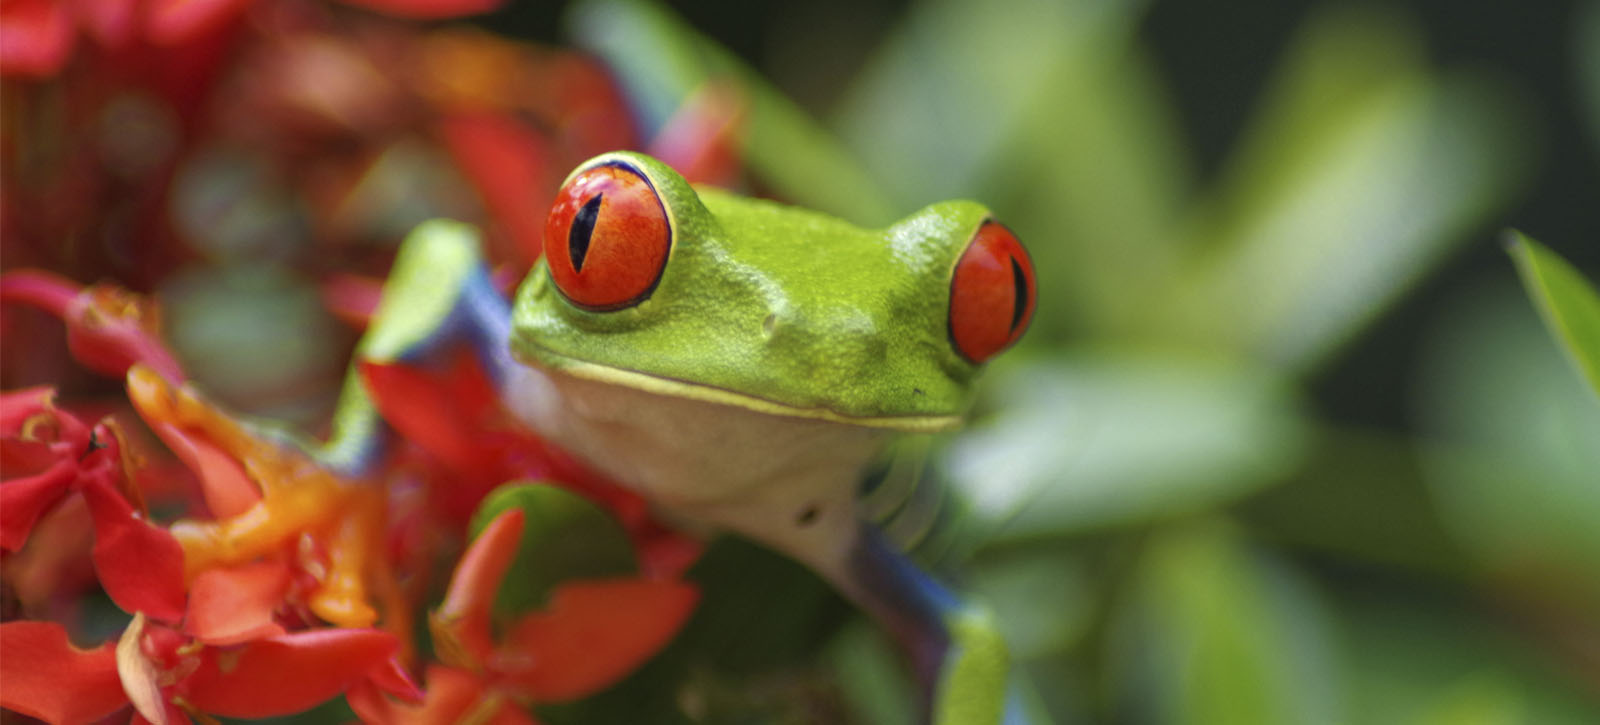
(909, 602)
(479, 317)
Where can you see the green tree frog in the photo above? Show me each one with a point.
(742, 363)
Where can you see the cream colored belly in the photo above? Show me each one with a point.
(785, 481)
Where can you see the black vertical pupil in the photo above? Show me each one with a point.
(1019, 304)
(583, 228)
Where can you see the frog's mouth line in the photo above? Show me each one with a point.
(547, 359)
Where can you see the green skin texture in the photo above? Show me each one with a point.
(777, 304)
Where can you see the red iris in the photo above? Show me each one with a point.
(991, 293)
(607, 238)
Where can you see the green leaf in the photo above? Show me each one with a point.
(872, 675)
(1218, 633)
(1567, 302)
(1512, 457)
(564, 536)
(1417, 656)
(1042, 597)
(1048, 113)
(1359, 494)
(1362, 171)
(1118, 438)
(661, 60)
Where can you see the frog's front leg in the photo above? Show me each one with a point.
(960, 659)
(439, 299)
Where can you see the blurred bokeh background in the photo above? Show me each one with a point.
(1287, 442)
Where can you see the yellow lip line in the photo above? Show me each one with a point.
(658, 385)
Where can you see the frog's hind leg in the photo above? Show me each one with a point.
(438, 298)
(960, 660)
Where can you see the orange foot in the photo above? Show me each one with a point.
(270, 497)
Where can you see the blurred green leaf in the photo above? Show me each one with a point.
(1045, 112)
(1566, 301)
(661, 60)
(564, 537)
(1360, 495)
(1513, 461)
(1426, 657)
(1042, 598)
(1119, 438)
(1363, 170)
(1219, 633)
(872, 675)
(1483, 699)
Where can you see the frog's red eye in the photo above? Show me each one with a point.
(607, 238)
(991, 293)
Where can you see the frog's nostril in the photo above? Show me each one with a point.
(769, 325)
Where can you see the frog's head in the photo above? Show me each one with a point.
(650, 284)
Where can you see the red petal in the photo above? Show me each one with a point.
(453, 694)
(428, 9)
(594, 633)
(109, 329)
(17, 406)
(23, 499)
(229, 605)
(55, 562)
(139, 565)
(461, 624)
(351, 298)
(110, 21)
(510, 166)
(668, 554)
(445, 414)
(20, 457)
(35, 37)
(175, 21)
(285, 674)
(48, 678)
(392, 678)
(175, 716)
(227, 489)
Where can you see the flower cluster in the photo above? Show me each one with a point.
(268, 605)
(253, 579)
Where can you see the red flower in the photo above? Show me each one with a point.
(273, 500)
(454, 415)
(165, 676)
(108, 328)
(139, 565)
(37, 36)
(48, 678)
(511, 167)
(593, 634)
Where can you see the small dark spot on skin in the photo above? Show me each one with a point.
(808, 515)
